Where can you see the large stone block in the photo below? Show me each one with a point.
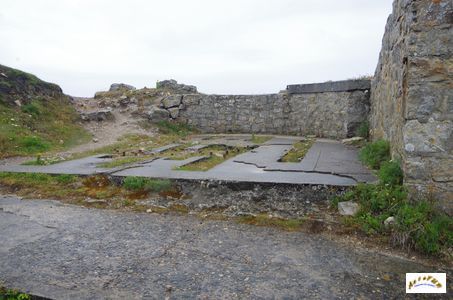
(428, 138)
(156, 114)
(172, 101)
(332, 86)
(429, 99)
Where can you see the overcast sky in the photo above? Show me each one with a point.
(221, 46)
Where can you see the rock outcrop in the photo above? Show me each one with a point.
(18, 87)
(176, 87)
(121, 86)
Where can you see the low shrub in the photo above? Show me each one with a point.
(134, 183)
(376, 153)
(391, 173)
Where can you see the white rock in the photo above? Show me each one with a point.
(409, 147)
(352, 141)
(348, 208)
(389, 221)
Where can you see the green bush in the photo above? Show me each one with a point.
(374, 154)
(391, 173)
(134, 183)
(34, 144)
(363, 130)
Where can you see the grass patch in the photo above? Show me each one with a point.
(12, 294)
(376, 153)
(298, 151)
(268, 221)
(146, 184)
(363, 130)
(122, 161)
(215, 156)
(179, 129)
(40, 126)
(259, 139)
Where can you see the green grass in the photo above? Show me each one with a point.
(391, 173)
(146, 184)
(12, 294)
(298, 151)
(122, 161)
(259, 139)
(37, 127)
(418, 224)
(376, 153)
(363, 130)
(180, 129)
(215, 156)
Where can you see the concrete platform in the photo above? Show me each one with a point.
(328, 162)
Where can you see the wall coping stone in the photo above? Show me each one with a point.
(330, 86)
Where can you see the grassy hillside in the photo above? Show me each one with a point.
(35, 116)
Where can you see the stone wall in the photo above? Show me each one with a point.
(412, 95)
(333, 109)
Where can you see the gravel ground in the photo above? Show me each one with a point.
(68, 252)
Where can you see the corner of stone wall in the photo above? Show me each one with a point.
(412, 96)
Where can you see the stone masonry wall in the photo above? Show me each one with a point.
(336, 113)
(412, 95)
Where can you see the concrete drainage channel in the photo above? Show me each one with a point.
(232, 199)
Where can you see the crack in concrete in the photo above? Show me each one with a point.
(298, 171)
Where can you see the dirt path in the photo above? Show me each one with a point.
(69, 252)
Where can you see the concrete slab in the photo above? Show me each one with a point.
(83, 166)
(326, 163)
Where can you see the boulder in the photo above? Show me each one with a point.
(174, 112)
(121, 86)
(173, 85)
(348, 208)
(156, 114)
(171, 101)
(98, 115)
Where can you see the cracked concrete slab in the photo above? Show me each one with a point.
(82, 166)
(105, 254)
(326, 163)
(162, 149)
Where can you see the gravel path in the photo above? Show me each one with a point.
(69, 252)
